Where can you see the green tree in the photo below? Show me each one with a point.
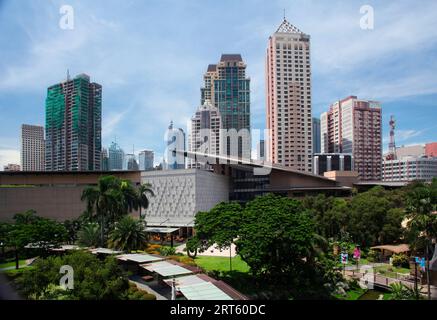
(421, 202)
(144, 191)
(88, 236)
(41, 232)
(276, 236)
(93, 279)
(129, 234)
(220, 226)
(27, 217)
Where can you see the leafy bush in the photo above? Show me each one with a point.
(167, 251)
(373, 256)
(93, 279)
(400, 260)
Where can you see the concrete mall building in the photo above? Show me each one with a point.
(179, 194)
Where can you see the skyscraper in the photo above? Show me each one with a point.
(105, 160)
(228, 89)
(116, 156)
(204, 135)
(288, 77)
(316, 136)
(353, 126)
(130, 162)
(146, 159)
(73, 125)
(175, 142)
(32, 148)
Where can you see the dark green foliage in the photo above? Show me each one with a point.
(401, 260)
(129, 234)
(218, 226)
(93, 279)
(89, 235)
(370, 218)
(111, 200)
(167, 251)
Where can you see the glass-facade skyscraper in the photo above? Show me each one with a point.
(228, 89)
(74, 125)
(116, 157)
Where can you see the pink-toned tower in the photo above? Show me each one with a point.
(288, 95)
(353, 126)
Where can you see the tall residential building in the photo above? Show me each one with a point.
(12, 167)
(288, 94)
(431, 149)
(204, 135)
(316, 136)
(175, 144)
(116, 156)
(146, 159)
(130, 162)
(353, 126)
(32, 148)
(228, 89)
(74, 125)
(105, 160)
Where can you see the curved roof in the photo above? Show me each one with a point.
(393, 248)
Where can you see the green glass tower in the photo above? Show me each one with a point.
(228, 89)
(74, 125)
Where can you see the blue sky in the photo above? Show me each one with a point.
(150, 57)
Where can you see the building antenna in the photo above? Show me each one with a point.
(68, 74)
(392, 144)
(284, 15)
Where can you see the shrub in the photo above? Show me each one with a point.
(373, 256)
(167, 251)
(400, 260)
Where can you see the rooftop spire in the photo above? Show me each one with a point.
(287, 27)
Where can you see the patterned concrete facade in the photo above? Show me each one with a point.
(180, 194)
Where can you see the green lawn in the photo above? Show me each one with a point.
(352, 294)
(391, 271)
(12, 263)
(221, 264)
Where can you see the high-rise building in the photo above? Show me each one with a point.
(175, 144)
(116, 156)
(146, 159)
(130, 162)
(228, 89)
(353, 126)
(105, 160)
(316, 136)
(204, 135)
(74, 125)
(431, 149)
(288, 94)
(32, 148)
(12, 167)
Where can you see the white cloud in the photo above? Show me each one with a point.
(9, 156)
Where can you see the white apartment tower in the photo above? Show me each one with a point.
(204, 134)
(288, 78)
(32, 148)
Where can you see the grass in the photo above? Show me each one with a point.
(12, 264)
(353, 294)
(391, 271)
(221, 264)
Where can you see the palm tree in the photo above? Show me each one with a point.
(143, 200)
(102, 200)
(129, 234)
(88, 236)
